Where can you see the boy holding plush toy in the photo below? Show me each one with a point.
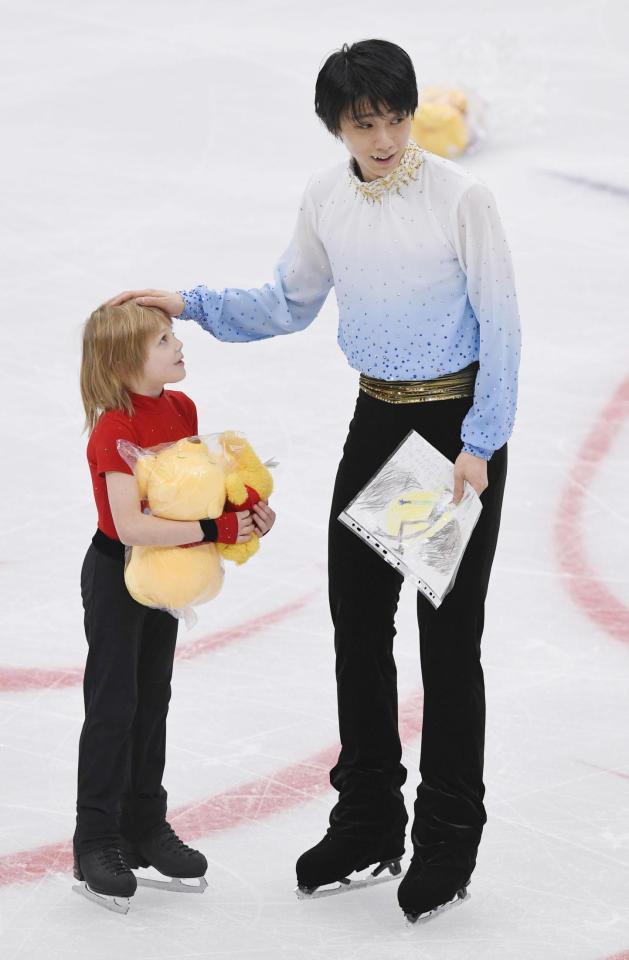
(129, 353)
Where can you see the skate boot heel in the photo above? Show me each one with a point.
(76, 868)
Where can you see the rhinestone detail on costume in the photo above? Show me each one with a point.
(406, 171)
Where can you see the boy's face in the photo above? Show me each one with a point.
(164, 361)
(376, 142)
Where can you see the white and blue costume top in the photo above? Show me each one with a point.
(423, 280)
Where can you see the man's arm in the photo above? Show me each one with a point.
(484, 255)
(302, 281)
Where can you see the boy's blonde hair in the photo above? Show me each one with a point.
(115, 341)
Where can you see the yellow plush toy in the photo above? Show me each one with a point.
(247, 482)
(181, 481)
(191, 480)
(443, 122)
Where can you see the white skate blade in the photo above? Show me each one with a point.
(459, 897)
(357, 881)
(115, 904)
(174, 884)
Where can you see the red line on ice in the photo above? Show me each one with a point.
(586, 589)
(615, 773)
(583, 583)
(247, 803)
(35, 678)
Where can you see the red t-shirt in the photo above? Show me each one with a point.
(163, 419)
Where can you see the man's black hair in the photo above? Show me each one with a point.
(372, 74)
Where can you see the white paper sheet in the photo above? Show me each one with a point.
(406, 514)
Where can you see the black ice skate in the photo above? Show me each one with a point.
(169, 855)
(105, 878)
(430, 889)
(325, 869)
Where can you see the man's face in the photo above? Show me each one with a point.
(376, 142)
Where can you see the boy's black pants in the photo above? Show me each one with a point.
(126, 691)
(364, 591)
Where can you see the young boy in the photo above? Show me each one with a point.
(129, 354)
(414, 247)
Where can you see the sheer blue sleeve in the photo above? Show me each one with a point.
(301, 283)
(484, 256)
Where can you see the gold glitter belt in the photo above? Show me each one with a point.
(454, 386)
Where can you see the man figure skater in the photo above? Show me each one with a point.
(428, 315)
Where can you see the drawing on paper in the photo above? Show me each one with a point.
(406, 513)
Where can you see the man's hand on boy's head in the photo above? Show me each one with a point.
(470, 468)
(170, 303)
(263, 517)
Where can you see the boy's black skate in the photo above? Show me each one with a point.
(168, 855)
(325, 869)
(105, 878)
(429, 889)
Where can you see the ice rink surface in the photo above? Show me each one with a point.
(167, 144)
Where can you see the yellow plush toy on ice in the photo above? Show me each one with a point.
(190, 480)
(445, 122)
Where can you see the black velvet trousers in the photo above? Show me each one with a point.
(126, 690)
(364, 592)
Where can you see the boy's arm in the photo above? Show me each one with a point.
(483, 253)
(302, 281)
(136, 528)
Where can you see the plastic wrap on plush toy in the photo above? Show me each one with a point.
(184, 480)
(248, 480)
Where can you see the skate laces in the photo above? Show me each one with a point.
(113, 859)
(169, 840)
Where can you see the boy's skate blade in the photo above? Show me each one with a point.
(174, 884)
(115, 904)
(387, 870)
(460, 895)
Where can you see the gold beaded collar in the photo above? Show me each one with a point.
(407, 170)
